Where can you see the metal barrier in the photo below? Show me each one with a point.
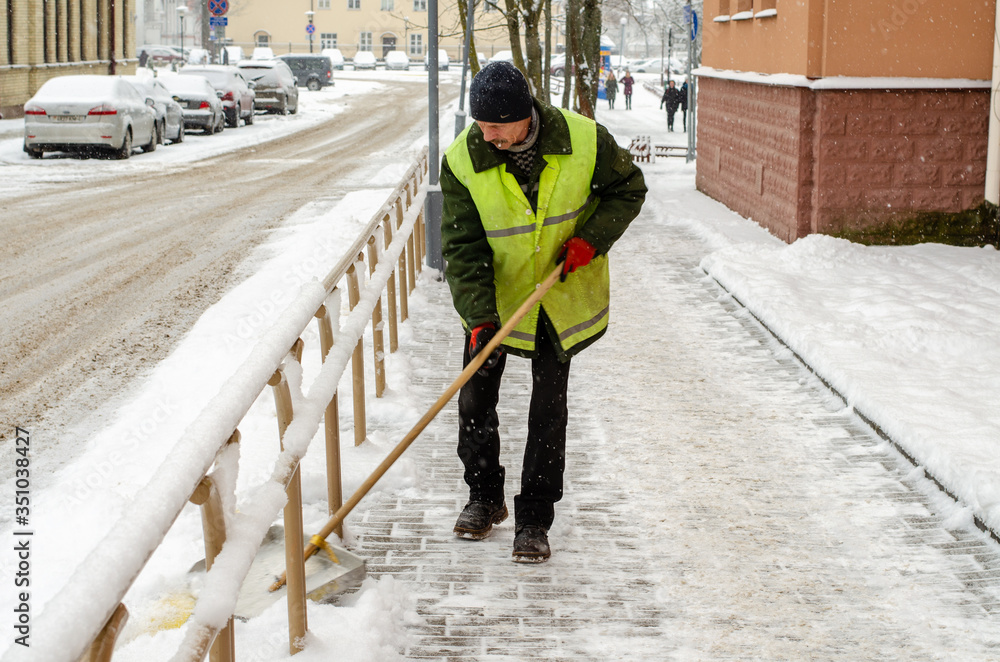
(80, 626)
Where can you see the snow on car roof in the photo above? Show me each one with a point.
(186, 83)
(84, 86)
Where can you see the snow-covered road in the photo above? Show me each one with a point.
(109, 263)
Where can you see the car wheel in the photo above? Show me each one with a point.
(180, 134)
(125, 151)
(221, 125)
(313, 85)
(33, 153)
(294, 109)
(233, 118)
(154, 139)
(249, 120)
(284, 106)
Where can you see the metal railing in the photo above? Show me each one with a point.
(84, 620)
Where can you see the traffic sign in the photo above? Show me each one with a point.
(216, 21)
(218, 7)
(310, 28)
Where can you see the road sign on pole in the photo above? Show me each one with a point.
(218, 7)
(310, 28)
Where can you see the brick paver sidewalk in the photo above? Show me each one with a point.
(720, 503)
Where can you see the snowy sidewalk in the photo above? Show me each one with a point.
(720, 503)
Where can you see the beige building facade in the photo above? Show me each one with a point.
(821, 115)
(41, 39)
(379, 26)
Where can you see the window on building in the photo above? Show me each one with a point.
(416, 44)
(354, 4)
(262, 39)
(365, 41)
(419, 5)
(387, 5)
(327, 39)
(323, 4)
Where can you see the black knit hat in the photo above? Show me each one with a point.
(499, 94)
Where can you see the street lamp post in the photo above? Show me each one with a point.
(181, 11)
(310, 14)
(621, 54)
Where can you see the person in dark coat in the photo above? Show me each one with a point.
(611, 88)
(684, 104)
(627, 82)
(672, 99)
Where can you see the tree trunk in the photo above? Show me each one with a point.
(589, 55)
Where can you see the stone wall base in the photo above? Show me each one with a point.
(801, 161)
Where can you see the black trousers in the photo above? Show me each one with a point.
(545, 450)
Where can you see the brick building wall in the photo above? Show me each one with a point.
(888, 154)
(800, 161)
(59, 38)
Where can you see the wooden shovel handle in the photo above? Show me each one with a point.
(338, 517)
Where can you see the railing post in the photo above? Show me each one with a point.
(213, 524)
(104, 643)
(390, 287)
(378, 342)
(405, 259)
(357, 362)
(334, 484)
(294, 562)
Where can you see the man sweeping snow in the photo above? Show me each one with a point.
(525, 187)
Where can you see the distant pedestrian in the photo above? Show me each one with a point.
(672, 100)
(627, 81)
(143, 58)
(684, 104)
(611, 88)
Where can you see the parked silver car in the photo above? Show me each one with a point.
(274, 85)
(169, 117)
(199, 101)
(81, 113)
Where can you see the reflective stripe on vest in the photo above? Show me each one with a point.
(526, 243)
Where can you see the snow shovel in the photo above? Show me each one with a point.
(338, 517)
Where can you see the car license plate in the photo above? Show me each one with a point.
(69, 118)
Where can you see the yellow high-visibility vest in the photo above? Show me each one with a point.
(526, 243)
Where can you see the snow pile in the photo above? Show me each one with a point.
(909, 336)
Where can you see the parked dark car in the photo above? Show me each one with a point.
(199, 101)
(169, 117)
(274, 85)
(161, 55)
(237, 95)
(311, 71)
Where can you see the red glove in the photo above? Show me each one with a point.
(479, 338)
(575, 253)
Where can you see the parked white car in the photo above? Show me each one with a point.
(80, 113)
(364, 60)
(336, 57)
(234, 54)
(443, 61)
(397, 60)
(502, 56)
(262, 53)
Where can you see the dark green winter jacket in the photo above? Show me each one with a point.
(617, 182)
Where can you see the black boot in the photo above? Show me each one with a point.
(531, 545)
(478, 518)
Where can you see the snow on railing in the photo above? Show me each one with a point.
(83, 620)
